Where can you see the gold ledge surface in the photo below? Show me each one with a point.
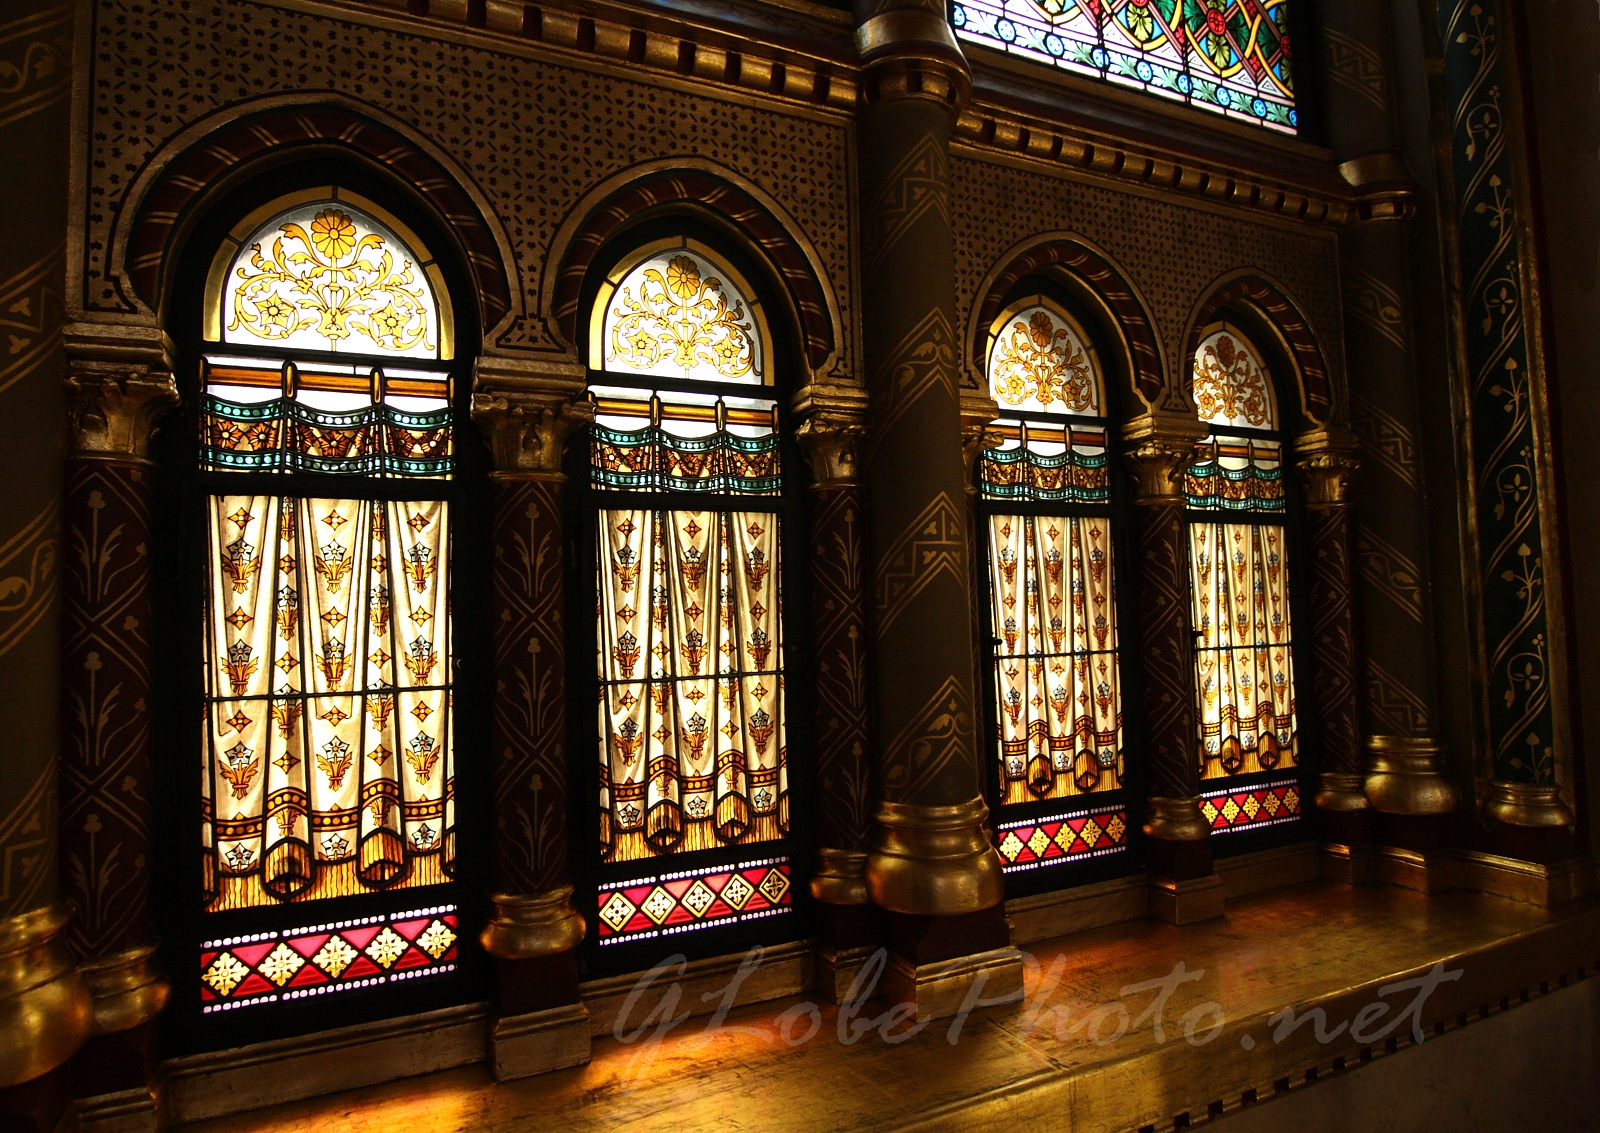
(1063, 1058)
(701, 986)
(310, 1066)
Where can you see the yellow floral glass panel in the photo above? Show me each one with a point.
(326, 276)
(677, 314)
(1231, 387)
(1039, 364)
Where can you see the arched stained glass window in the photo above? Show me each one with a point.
(686, 476)
(1240, 588)
(1045, 498)
(1231, 57)
(326, 460)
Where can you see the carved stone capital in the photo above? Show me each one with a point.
(1157, 464)
(832, 425)
(118, 384)
(977, 428)
(528, 429)
(1326, 462)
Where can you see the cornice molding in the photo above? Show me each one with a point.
(803, 55)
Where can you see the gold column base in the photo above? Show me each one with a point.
(45, 1009)
(841, 877)
(934, 860)
(525, 927)
(1186, 902)
(1523, 804)
(1426, 872)
(1348, 865)
(524, 1045)
(1533, 883)
(1342, 792)
(836, 970)
(128, 987)
(1176, 820)
(1404, 776)
(942, 989)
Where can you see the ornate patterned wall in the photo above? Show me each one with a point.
(532, 148)
(1170, 252)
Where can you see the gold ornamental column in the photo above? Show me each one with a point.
(118, 384)
(832, 423)
(1406, 785)
(932, 868)
(1326, 462)
(1184, 886)
(45, 1011)
(540, 1023)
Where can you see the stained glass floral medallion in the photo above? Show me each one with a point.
(678, 314)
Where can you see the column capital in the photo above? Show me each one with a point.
(833, 420)
(118, 384)
(528, 429)
(1158, 451)
(978, 413)
(1384, 184)
(1326, 460)
(909, 51)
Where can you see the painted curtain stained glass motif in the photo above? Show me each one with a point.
(1230, 57)
(686, 470)
(1239, 567)
(1045, 487)
(327, 735)
(691, 662)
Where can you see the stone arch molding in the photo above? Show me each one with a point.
(1126, 315)
(695, 185)
(186, 172)
(1270, 302)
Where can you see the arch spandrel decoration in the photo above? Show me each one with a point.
(680, 312)
(1126, 312)
(146, 246)
(1039, 362)
(1309, 366)
(816, 315)
(329, 273)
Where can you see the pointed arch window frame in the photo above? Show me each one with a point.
(1237, 491)
(1065, 825)
(278, 443)
(737, 430)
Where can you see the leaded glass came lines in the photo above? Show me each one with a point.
(1230, 57)
(679, 446)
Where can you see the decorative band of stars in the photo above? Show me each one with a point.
(1035, 843)
(271, 967)
(1251, 808)
(683, 902)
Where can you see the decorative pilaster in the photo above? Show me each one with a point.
(45, 1012)
(932, 867)
(1326, 462)
(1503, 377)
(1184, 887)
(833, 423)
(118, 385)
(1399, 708)
(533, 928)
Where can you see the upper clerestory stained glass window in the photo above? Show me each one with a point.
(1227, 56)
